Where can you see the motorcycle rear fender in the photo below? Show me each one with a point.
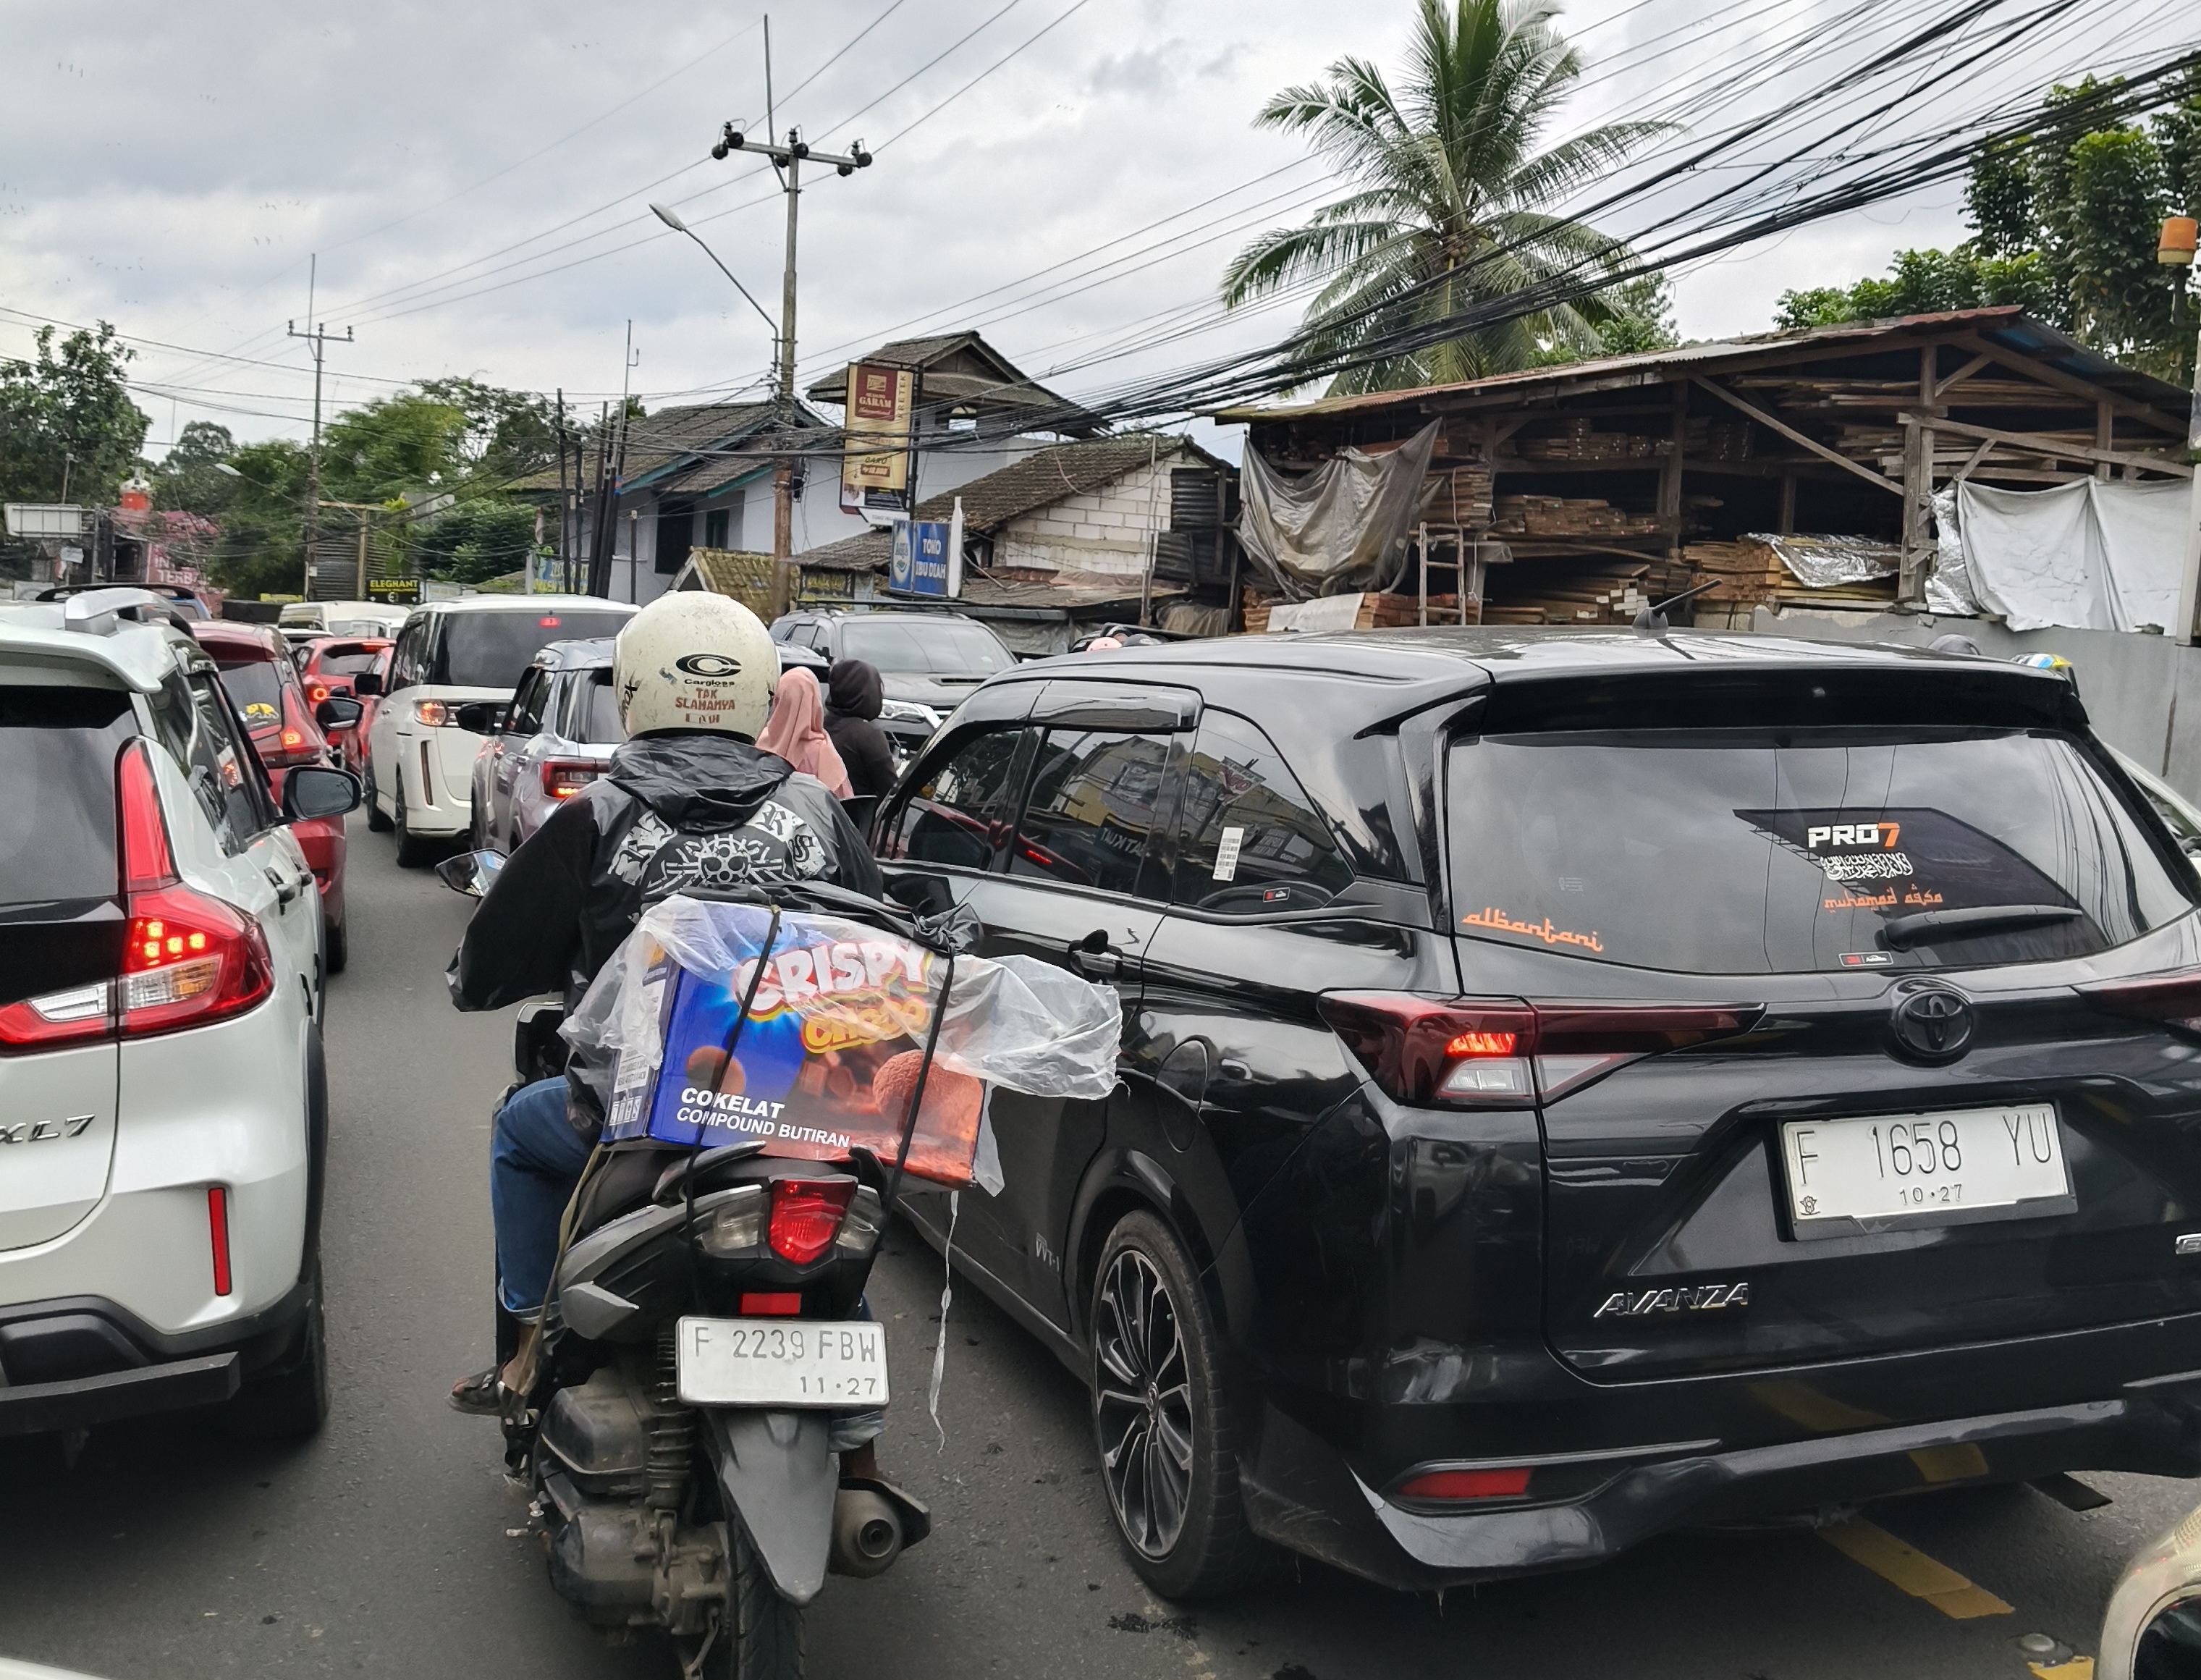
(779, 1482)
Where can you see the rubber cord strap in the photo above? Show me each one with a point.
(947, 1296)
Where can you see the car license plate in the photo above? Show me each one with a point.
(1951, 1168)
(838, 1362)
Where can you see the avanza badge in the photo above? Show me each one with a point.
(1700, 1298)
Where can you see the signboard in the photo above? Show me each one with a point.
(877, 432)
(394, 591)
(919, 565)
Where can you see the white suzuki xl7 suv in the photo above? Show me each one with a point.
(163, 1116)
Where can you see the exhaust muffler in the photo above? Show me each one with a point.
(866, 1533)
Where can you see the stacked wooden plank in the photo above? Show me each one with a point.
(1458, 495)
(1749, 572)
(1578, 440)
(1560, 516)
(1591, 591)
(1370, 610)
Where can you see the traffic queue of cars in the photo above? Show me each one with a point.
(1575, 1085)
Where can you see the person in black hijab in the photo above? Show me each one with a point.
(853, 693)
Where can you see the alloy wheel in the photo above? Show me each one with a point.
(1142, 1405)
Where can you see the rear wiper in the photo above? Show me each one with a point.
(1929, 927)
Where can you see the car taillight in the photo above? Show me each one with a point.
(806, 1215)
(188, 958)
(296, 742)
(317, 692)
(564, 778)
(1505, 1053)
(1465, 1484)
(2173, 1000)
(60, 1018)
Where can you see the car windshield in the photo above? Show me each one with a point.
(490, 650)
(256, 688)
(57, 750)
(930, 647)
(1739, 852)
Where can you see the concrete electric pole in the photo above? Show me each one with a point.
(2174, 249)
(318, 337)
(788, 159)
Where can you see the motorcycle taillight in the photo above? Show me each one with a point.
(806, 1216)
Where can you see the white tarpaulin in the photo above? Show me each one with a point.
(2089, 555)
(1336, 526)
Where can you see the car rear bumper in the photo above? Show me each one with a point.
(1303, 1493)
(91, 1361)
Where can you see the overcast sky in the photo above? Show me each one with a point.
(475, 179)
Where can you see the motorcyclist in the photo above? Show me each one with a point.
(688, 800)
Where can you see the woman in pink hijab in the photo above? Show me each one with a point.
(796, 731)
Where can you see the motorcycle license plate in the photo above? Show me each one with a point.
(781, 1362)
(1950, 1167)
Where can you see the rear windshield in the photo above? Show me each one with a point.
(256, 687)
(57, 749)
(938, 648)
(1718, 852)
(344, 664)
(491, 651)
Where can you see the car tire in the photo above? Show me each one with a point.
(413, 851)
(293, 1403)
(337, 946)
(1163, 1421)
(378, 822)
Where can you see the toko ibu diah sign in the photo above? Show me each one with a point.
(919, 565)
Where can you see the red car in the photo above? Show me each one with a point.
(327, 665)
(264, 685)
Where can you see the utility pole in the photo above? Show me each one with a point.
(318, 336)
(2175, 250)
(565, 508)
(787, 159)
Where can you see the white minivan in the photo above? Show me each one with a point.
(455, 666)
(164, 1109)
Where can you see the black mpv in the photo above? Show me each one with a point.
(1579, 1084)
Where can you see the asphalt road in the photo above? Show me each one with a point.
(388, 1545)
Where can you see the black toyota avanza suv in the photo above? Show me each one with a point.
(1579, 1084)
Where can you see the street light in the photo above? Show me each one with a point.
(2175, 250)
(666, 214)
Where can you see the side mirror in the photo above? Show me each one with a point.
(478, 717)
(338, 711)
(315, 791)
(367, 685)
(470, 872)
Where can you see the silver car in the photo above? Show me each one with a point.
(555, 738)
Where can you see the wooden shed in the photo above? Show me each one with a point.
(1573, 493)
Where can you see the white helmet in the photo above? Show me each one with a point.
(691, 659)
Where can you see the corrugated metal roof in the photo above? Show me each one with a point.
(2005, 325)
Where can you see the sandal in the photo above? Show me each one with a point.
(480, 1395)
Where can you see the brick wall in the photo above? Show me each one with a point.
(1104, 530)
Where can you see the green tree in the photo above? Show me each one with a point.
(2064, 222)
(508, 433)
(190, 478)
(1452, 202)
(67, 418)
(261, 549)
(475, 541)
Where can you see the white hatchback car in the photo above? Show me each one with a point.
(163, 1113)
(455, 664)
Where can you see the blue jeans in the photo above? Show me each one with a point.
(534, 1159)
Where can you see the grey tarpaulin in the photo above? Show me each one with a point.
(1337, 527)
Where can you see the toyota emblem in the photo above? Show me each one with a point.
(1933, 1024)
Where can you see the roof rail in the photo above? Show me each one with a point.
(99, 612)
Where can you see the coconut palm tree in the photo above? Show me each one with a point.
(1452, 202)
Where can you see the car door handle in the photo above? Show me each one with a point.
(1094, 958)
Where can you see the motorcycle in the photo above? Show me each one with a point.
(704, 1357)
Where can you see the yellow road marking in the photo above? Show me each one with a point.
(1912, 1570)
(1959, 1463)
(2079, 1668)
